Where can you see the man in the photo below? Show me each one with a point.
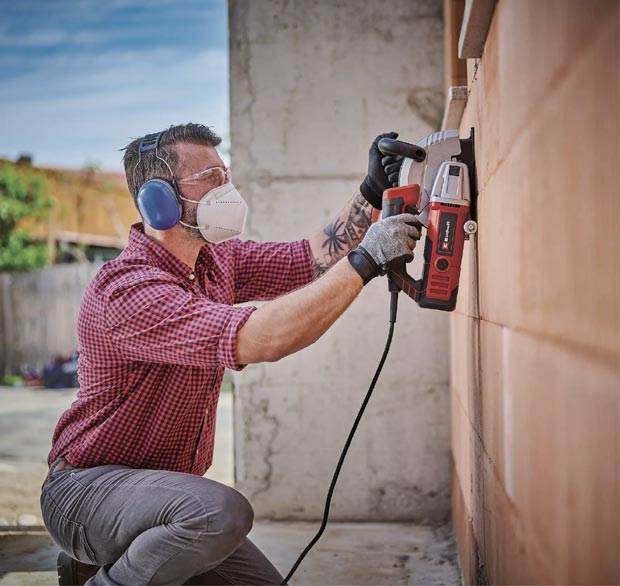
(157, 327)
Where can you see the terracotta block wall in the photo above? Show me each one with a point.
(535, 337)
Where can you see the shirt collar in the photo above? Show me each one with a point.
(138, 240)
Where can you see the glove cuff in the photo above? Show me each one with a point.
(364, 264)
(370, 195)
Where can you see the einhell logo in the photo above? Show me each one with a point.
(447, 223)
(445, 245)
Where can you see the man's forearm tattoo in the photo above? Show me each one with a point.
(336, 240)
(343, 234)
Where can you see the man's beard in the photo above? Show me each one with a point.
(188, 216)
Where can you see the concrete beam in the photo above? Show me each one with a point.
(455, 106)
(476, 22)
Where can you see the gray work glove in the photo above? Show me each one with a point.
(385, 241)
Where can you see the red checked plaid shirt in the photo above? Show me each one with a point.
(154, 338)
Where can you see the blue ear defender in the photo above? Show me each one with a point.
(158, 200)
(158, 204)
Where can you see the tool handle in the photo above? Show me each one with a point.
(400, 280)
(398, 277)
(417, 224)
(390, 146)
(402, 200)
(399, 200)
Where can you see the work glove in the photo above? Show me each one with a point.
(382, 172)
(385, 241)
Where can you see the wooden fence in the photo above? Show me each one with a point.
(38, 314)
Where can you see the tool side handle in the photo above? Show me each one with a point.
(390, 146)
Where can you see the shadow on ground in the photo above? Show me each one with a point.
(27, 558)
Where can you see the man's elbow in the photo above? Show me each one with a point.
(256, 355)
(252, 350)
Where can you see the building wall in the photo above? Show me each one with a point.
(312, 84)
(534, 363)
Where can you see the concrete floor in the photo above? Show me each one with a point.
(348, 553)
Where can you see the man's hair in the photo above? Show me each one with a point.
(150, 166)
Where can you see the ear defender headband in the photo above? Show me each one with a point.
(158, 200)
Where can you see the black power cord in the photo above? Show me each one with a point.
(332, 486)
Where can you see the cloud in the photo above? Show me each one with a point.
(57, 76)
(95, 111)
(67, 24)
(69, 106)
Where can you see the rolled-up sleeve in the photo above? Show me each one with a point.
(157, 320)
(270, 269)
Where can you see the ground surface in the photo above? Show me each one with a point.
(348, 553)
(27, 421)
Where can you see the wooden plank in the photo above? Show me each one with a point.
(455, 105)
(476, 22)
(91, 239)
(455, 69)
(30, 337)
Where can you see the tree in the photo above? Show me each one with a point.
(22, 196)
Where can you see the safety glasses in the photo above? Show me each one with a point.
(211, 178)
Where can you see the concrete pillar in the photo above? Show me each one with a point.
(312, 83)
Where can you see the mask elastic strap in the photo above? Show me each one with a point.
(189, 200)
(189, 225)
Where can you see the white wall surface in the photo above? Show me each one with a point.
(312, 84)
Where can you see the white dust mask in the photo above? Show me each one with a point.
(221, 213)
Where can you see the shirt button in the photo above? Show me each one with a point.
(191, 276)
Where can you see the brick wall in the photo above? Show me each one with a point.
(534, 340)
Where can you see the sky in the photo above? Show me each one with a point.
(80, 78)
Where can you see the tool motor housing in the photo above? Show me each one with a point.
(445, 237)
(447, 213)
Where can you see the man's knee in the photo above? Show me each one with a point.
(235, 516)
(227, 511)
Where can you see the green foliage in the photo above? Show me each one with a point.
(22, 196)
(11, 380)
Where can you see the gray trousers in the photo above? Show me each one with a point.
(153, 527)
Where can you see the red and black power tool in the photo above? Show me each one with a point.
(437, 182)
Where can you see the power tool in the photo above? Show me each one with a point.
(437, 182)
